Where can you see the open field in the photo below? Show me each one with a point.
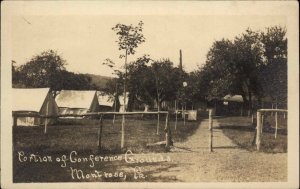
(83, 138)
(233, 158)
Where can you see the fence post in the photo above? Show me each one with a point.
(210, 128)
(175, 114)
(258, 130)
(184, 115)
(123, 130)
(262, 121)
(157, 127)
(276, 124)
(100, 131)
(168, 132)
(114, 119)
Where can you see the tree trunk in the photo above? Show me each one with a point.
(250, 102)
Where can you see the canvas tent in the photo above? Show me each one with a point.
(37, 101)
(77, 102)
(232, 105)
(105, 102)
(122, 105)
(233, 98)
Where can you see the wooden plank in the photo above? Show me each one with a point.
(31, 114)
(272, 110)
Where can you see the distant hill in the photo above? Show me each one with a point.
(99, 80)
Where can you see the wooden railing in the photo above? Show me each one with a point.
(259, 124)
(167, 128)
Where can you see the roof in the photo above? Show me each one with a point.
(28, 99)
(75, 99)
(104, 99)
(233, 98)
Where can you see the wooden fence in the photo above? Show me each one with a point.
(260, 122)
(167, 128)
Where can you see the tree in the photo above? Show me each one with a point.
(138, 86)
(233, 67)
(16, 76)
(43, 70)
(273, 73)
(48, 70)
(166, 81)
(129, 38)
(253, 64)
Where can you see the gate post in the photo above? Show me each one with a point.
(210, 128)
(168, 132)
(100, 131)
(258, 130)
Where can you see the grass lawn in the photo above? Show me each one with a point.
(242, 132)
(83, 138)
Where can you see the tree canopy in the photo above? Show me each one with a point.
(254, 64)
(48, 70)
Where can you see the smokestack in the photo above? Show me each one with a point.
(180, 60)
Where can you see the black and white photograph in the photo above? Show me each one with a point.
(149, 94)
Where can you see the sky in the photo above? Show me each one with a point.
(85, 41)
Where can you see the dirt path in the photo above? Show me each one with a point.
(191, 161)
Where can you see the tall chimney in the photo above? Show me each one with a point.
(180, 60)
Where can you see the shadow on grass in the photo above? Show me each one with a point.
(243, 133)
(61, 140)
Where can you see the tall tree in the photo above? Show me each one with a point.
(43, 70)
(129, 38)
(274, 70)
(48, 70)
(234, 66)
(138, 78)
(253, 64)
(165, 80)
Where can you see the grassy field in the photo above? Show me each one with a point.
(242, 132)
(82, 138)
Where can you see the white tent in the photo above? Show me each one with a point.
(105, 102)
(121, 100)
(233, 98)
(36, 101)
(77, 102)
